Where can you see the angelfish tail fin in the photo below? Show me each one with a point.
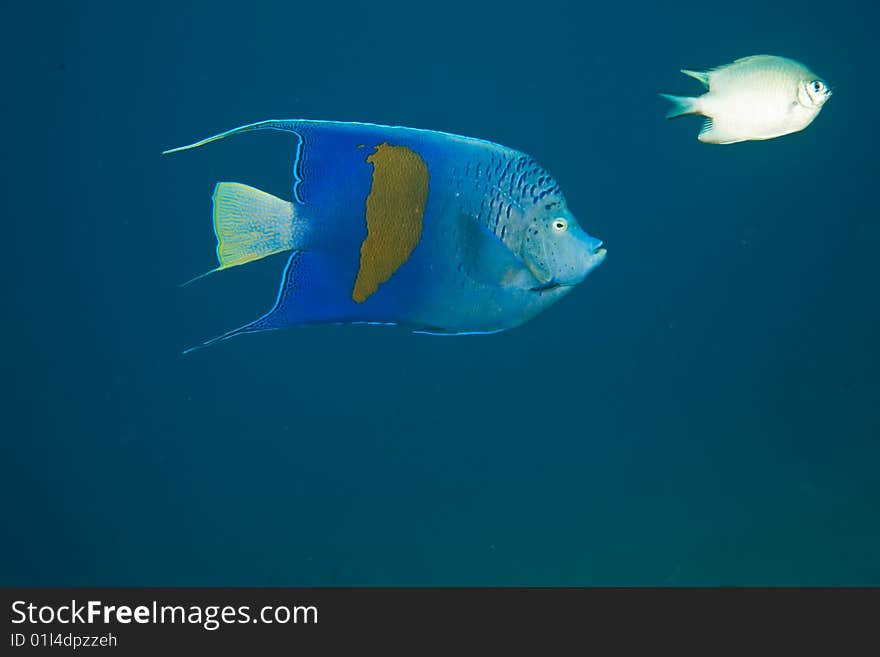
(682, 105)
(251, 224)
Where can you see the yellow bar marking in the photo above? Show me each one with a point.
(395, 208)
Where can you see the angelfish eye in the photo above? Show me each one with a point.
(559, 225)
(817, 86)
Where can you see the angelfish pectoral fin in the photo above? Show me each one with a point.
(533, 254)
(540, 272)
(251, 224)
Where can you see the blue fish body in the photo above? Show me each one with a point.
(390, 225)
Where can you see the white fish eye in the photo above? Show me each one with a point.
(818, 86)
(560, 225)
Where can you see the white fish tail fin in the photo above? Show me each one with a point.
(251, 224)
(682, 105)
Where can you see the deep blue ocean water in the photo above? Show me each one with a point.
(704, 409)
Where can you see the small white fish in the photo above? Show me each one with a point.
(758, 97)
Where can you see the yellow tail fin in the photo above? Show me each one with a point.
(250, 224)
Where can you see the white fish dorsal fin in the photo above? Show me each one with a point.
(701, 76)
(750, 60)
(719, 78)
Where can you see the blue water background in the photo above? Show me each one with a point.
(704, 409)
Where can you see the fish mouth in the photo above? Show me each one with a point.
(597, 257)
(594, 259)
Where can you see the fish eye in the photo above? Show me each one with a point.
(818, 86)
(559, 225)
